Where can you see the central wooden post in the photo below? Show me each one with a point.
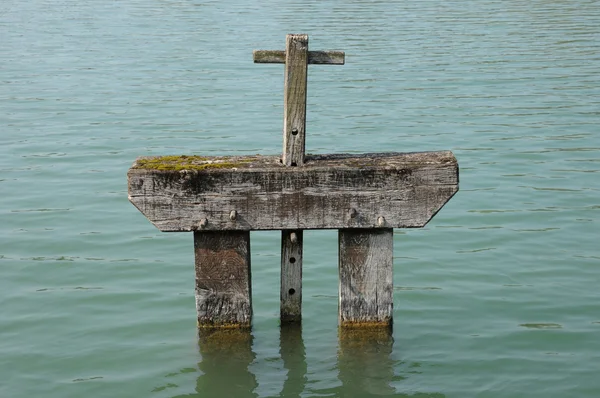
(294, 100)
(294, 144)
(296, 58)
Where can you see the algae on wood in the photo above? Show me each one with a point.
(405, 189)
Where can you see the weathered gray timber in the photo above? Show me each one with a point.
(294, 100)
(314, 57)
(366, 284)
(291, 276)
(329, 192)
(296, 58)
(222, 198)
(223, 284)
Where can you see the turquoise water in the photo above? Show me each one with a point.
(497, 297)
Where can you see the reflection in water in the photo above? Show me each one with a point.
(364, 363)
(291, 348)
(226, 356)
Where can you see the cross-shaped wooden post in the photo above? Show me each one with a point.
(222, 198)
(296, 58)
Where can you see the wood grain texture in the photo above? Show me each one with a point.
(405, 189)
(294, 99)
(366, 284)
(314, 57)
(291, 276)
(223, 281)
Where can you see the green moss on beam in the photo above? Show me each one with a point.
(185, 162)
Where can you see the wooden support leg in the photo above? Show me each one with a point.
(223, 284)
(291, 276)
(366, 285)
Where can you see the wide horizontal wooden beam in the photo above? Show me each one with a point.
(389, 190)
(314, 57)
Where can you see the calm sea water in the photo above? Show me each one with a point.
(497, 297)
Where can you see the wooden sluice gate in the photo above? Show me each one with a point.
(222, 198)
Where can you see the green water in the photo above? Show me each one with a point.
(497, 297)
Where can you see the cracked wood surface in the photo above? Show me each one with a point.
(223, 278)
(366, 282)
(380, 190)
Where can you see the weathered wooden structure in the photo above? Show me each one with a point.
(221, 199)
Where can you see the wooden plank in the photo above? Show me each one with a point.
(366, 284)
(291, 276)
(177, 193)
(314, 57)
(294, 99)
(223, 281)
(268, 56)
(326, 57)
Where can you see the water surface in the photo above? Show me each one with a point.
(496, 297)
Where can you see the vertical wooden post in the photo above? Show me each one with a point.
(291, 276)
(366, 285)
(294, 138)
(296, 58)
(223, 280)
(294, 99)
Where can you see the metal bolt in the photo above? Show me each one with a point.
(203, 223)
(233, 215)
(293, 237)
(381, 221)
(352, 212)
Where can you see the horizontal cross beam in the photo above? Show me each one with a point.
(392, 190)
(314, 57)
